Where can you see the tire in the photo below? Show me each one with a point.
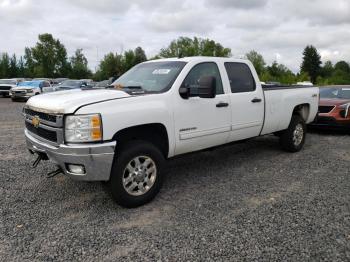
(293, 138)
(13, 99)
(123, 181)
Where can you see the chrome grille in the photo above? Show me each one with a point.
(42, 132)
(50, 127)
(42, 116)
(7, 88)
(54, 120)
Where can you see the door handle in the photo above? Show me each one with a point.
(256, 100)
(222, 104)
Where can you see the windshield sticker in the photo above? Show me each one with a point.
(161, 71)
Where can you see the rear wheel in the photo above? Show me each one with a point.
(136, 176)
(293, 138)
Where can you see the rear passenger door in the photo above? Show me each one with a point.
(246, 100)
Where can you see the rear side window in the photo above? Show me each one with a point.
(241, 78)
(204, 69)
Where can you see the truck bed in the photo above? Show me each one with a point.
(276, 87)
(280, 101)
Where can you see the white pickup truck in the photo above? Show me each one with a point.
(157, 110)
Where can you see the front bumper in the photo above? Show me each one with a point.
(21, 95)
(330, 121)
(97, 159)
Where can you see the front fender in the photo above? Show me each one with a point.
(134, 111)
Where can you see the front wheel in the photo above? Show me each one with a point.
(293, 138)
(136, 176)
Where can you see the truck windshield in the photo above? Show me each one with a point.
(30, 83)
(335, 93)
(154, 77)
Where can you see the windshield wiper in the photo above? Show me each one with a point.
(128, 89)
(134, 89)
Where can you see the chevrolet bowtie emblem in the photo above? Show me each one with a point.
(36, 121)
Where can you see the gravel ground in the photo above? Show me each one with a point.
(247, 202)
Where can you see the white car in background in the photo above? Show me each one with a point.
(27, 89)
(305, 83)
(6, 85)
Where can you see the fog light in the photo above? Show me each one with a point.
(76, 169)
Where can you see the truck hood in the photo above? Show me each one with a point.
(66, 102)
(7, 85)
(24, 87)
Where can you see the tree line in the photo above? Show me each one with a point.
(48, 58)
(311, 69)
(114, 65)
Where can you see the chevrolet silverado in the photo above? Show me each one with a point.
(157, 110)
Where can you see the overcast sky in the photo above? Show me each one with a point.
(278, 29)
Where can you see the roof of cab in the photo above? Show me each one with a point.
(200, 59)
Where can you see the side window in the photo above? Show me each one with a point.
(46, 84)
(204, 69)
(241, 78)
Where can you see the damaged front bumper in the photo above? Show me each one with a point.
(95, 160)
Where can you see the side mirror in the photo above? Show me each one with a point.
(184, 92)
(207, 87)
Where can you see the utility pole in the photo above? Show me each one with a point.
(97, 59)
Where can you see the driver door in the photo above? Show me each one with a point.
(202, 122)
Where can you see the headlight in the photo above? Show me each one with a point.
(83, 128)
(346, 109)
(29, 90)
(344, 106)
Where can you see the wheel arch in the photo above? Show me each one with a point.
(155, 133)
(302, 110)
